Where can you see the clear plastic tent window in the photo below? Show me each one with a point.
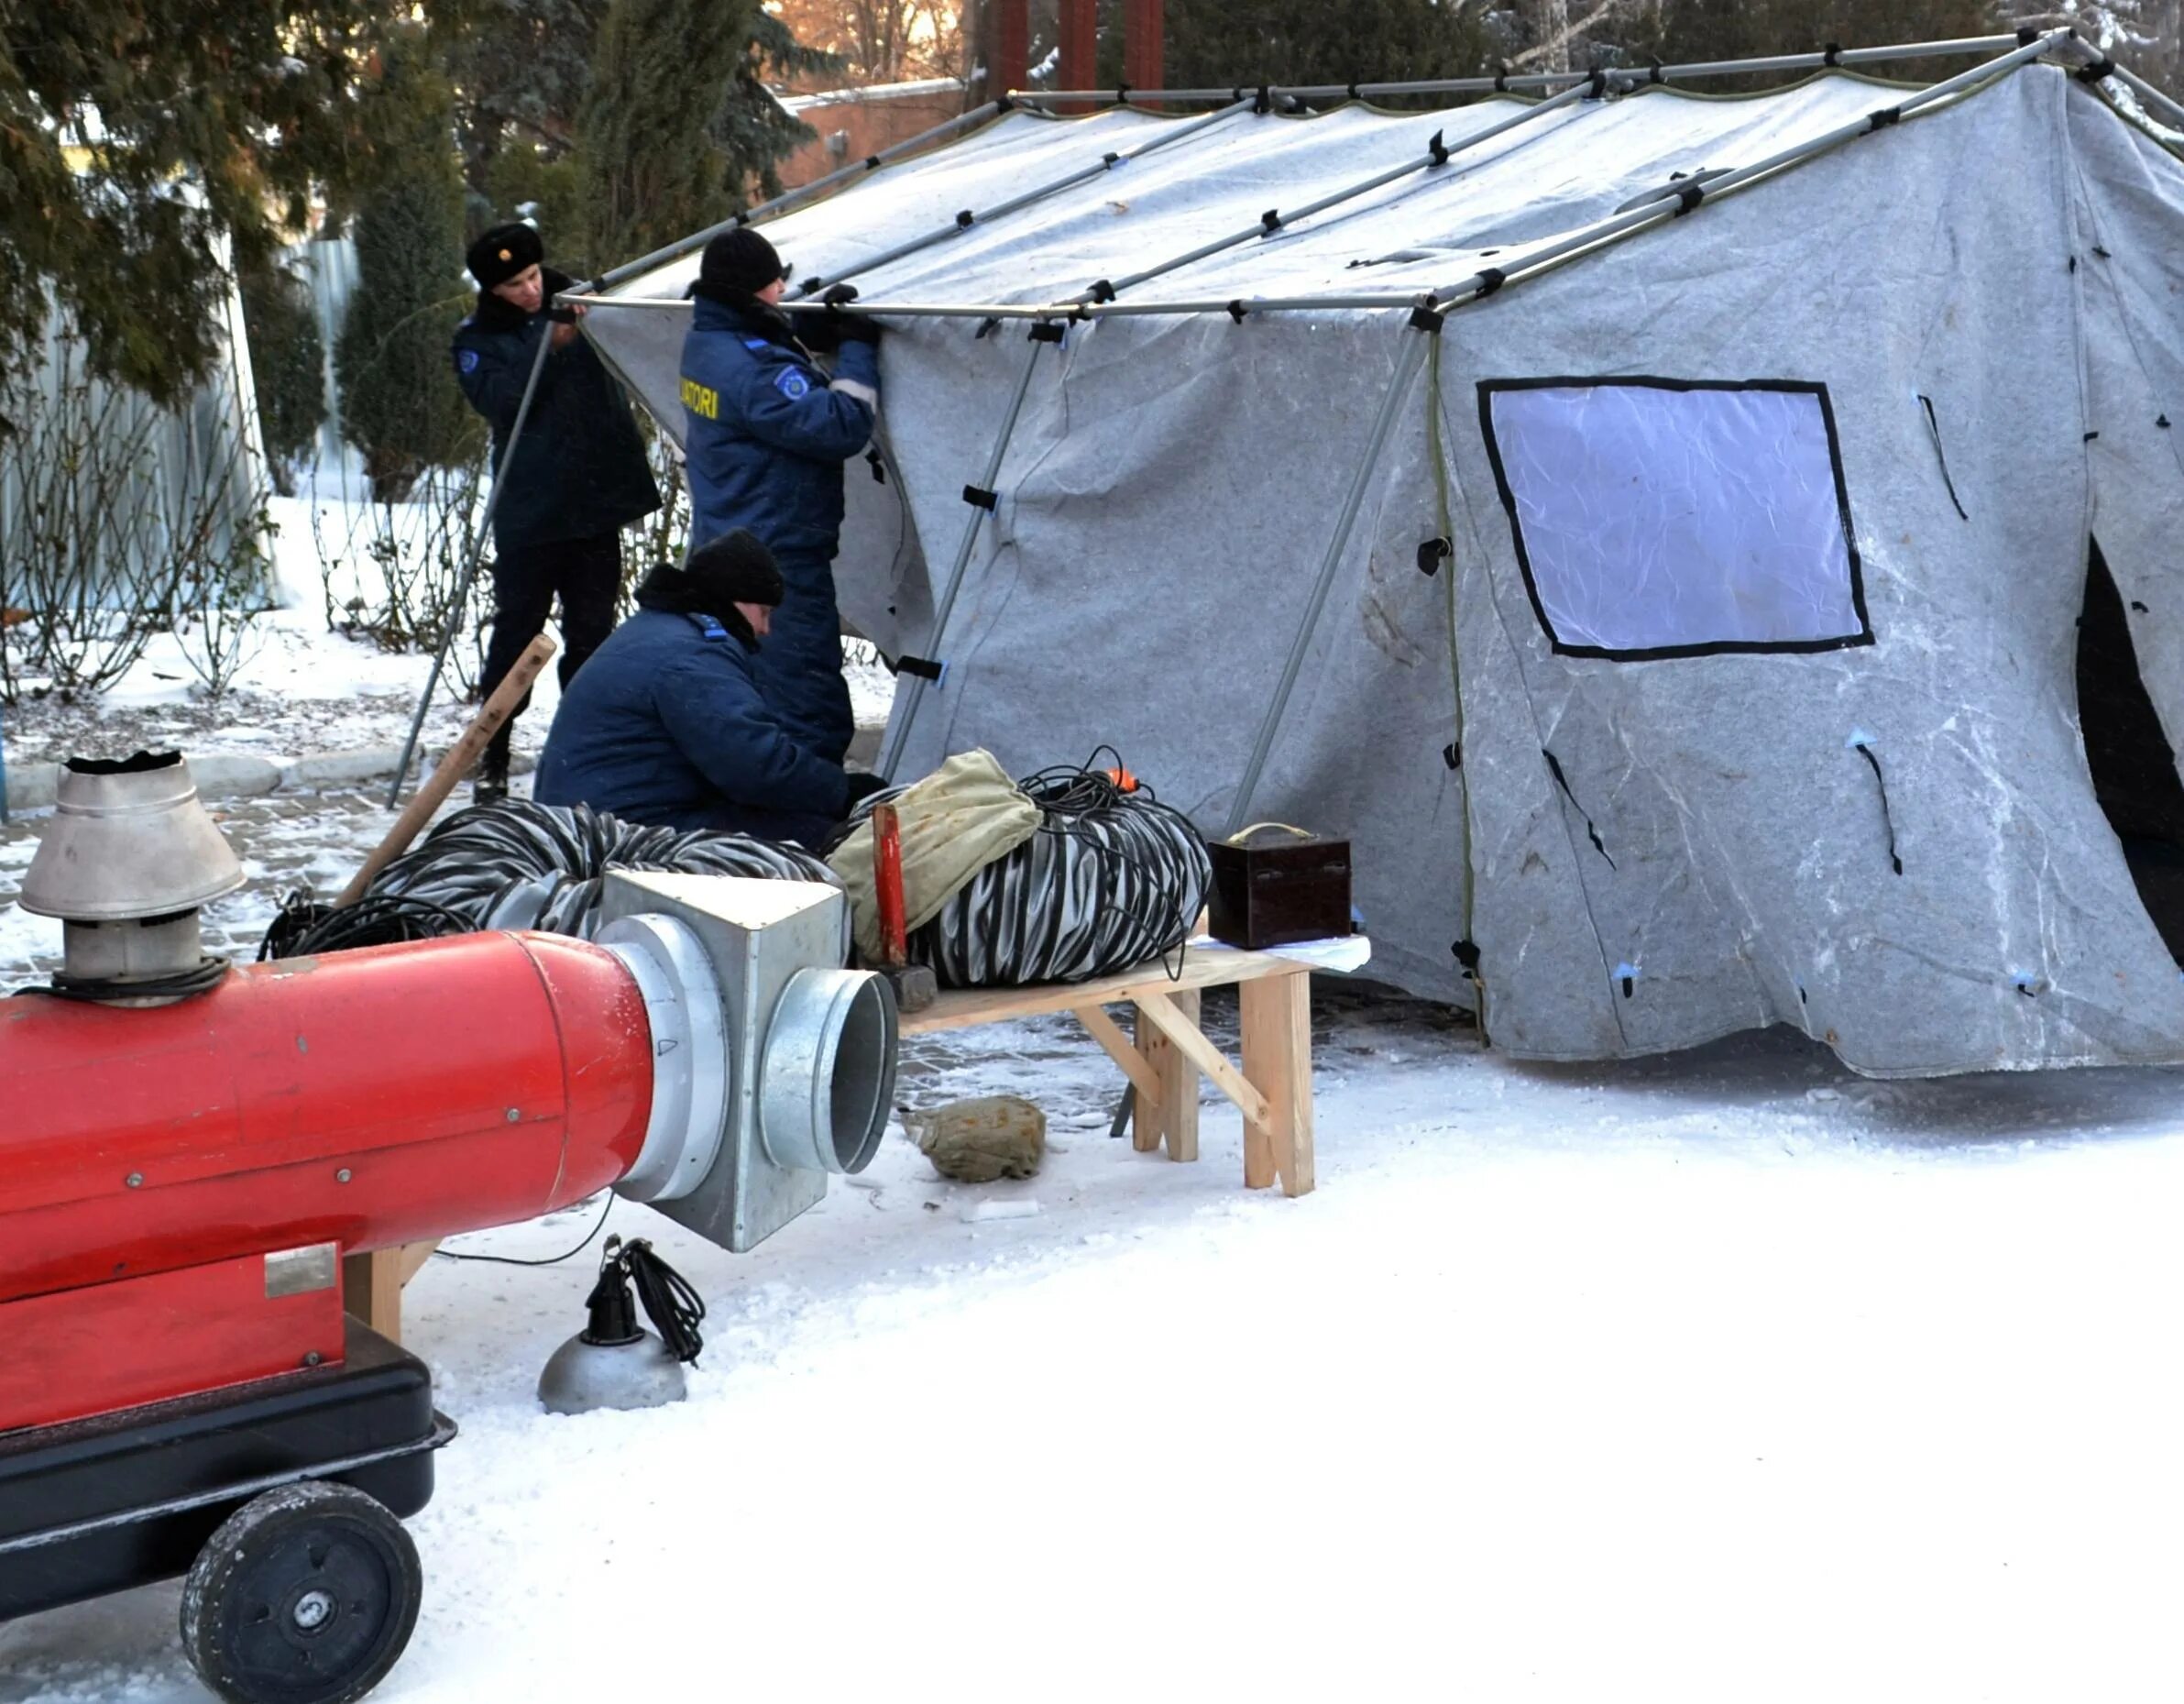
(1664, 518)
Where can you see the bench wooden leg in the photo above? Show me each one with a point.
(1277, 1013)
(372, 1284)
(1174, 1115)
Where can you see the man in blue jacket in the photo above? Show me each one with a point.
(667, 726)
(579, 474)
(765, 433)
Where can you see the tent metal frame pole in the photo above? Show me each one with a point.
(2172, 114)
(791, 199)
(1534, 80)
(969, 219)
(1408, 364)
(1435, 155)
(900, 736)
(477, 548)
(1695, 196)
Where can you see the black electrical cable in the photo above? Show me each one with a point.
(1112, 878)
(519, 864)
(598, 1224)
(675, 1308)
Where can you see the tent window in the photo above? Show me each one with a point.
(1666, 518)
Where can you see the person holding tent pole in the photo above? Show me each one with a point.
(579, 474)
(765, 433)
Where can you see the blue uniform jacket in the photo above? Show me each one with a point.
(665, 726)
(764, 434)
(580, 469)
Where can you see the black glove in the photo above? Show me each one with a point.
(861, 788)
(849, 327)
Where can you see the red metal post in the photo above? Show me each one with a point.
(1007, 46)
(887, 882)
(1144, 60)
(1080, 46)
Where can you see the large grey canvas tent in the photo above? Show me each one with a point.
(1754, 445)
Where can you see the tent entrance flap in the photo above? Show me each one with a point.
(2134, 768)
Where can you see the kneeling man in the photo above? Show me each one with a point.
(666, 725)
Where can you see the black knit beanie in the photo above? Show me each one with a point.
(734, 569)
(502, 252)
(740, 260)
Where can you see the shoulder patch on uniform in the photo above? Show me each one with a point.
(792, 384)
(467, 359)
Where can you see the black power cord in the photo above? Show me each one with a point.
(597, 1226)
(675, 1308)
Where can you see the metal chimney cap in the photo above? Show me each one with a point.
(129, 839)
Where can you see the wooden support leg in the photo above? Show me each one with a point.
(372, 1290)
(1277, 1062)
(372, 1284)
(1174, 1113)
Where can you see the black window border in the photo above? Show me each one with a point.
(1488, 388)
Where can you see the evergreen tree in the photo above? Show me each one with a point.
(677, 130)
(400, 404)
(134, 134)
(287, 364)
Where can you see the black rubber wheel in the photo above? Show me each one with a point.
(307, 1595)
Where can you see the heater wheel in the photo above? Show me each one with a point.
(307, 1595)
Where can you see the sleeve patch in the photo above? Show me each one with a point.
(467, 359)
(792, 384)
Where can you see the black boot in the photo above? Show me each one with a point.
(489, 783)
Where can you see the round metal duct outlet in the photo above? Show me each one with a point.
(828, 1077)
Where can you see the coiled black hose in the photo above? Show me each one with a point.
(1112, 879)
(517, 865)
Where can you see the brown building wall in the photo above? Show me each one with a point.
(850, 130)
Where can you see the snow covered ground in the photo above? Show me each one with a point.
(1722, 1376)
(1726, 1376)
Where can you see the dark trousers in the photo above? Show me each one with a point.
(799, 661)
(586, 572)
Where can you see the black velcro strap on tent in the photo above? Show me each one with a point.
(1438, 149)
(1688, 197)
(1887, 821)
(1354, 95)
(966, 219)
(978, 496)
(1426, 318)
(1656, 73)
(1452, 755)
(1493, 278)
(1122, 93)
(2026, 34)
(1501, 77)
(872, 162)
(1887, 116)
(1832, 54)
(1598, 91)
(1431, 554)
(1236, 310)
(1555, 768)
(1046, 331)
(2099, 68)
(1466, 953)
(1110, 161)
(1265, 104)
(1270, 221)
(1102, 291)
(924, 669)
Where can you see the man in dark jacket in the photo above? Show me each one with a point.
(579, 474)
(667, 726)
(766, 433)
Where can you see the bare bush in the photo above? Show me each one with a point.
(391, 572)
(112, 516)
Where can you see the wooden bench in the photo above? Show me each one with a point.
(1163, 1062)
(1170, 1051)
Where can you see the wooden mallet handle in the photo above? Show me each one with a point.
(452, 768)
